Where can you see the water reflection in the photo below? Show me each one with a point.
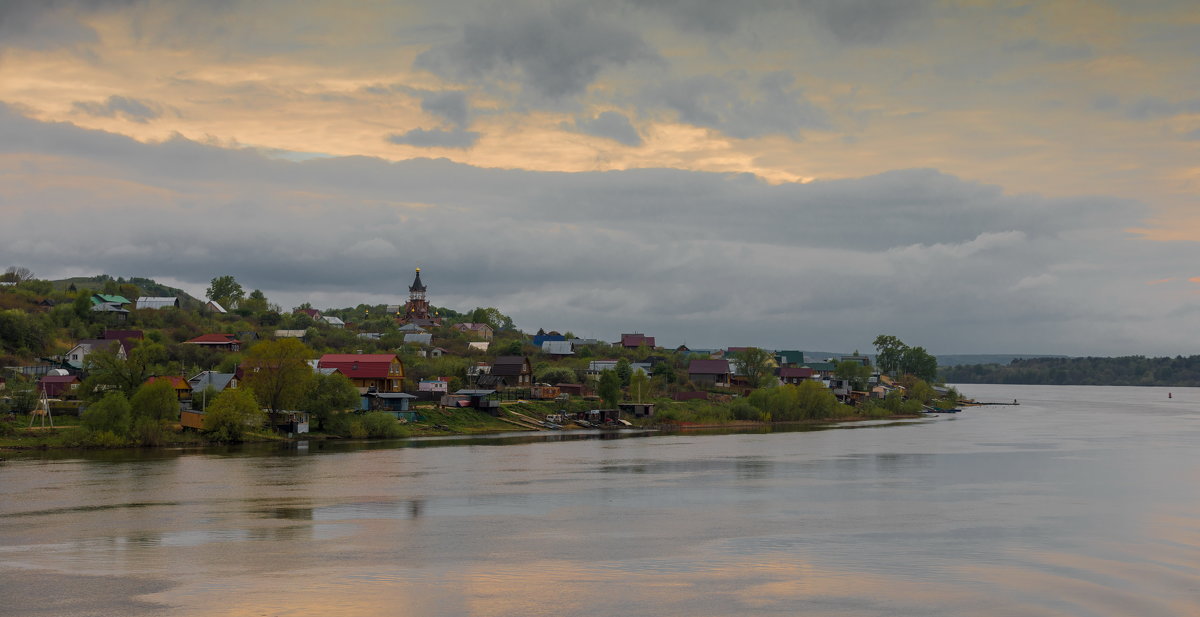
(1050, 508)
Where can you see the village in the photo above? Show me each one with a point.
(408, 365)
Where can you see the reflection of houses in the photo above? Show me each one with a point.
(710, 373)
(516, 369)
(380, 372)
(223, 342)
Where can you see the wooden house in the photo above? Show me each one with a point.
(516, 368)
(710, 373)
(224, 342)
(377, 372)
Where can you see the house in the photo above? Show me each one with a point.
(335, 322)
(477, 330)
(540, 339)
(635, 340)
(637, 410)
(824, 370)
(215, 307)
(119, 341)
(557, 348)
(112, 310)
(395, 403)
(710, 373)
(517, 368)
(441, 385)
(437, 352)
(224, 342)
(372, 372)
(183, 389)
(423, 340)
(149, 302)
(789, 357)
(795, 374)
(98, 299)
(477, 399)
(59, 386)
(313, 313)
(571, 389)
(212, 379)
(596, 367)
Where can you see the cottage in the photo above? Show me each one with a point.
(710, 373)
(789, 358)
(541, 338)
(368, 372)
(77, 356)
(476, 330)
(183, 389)
(212, 306)
(212, 379)
(395, 403)
(59, 386)
(795, 375)
(635, 340)
(517, 368)
(224, 342)
(335, 322)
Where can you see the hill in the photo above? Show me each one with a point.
(144, 287)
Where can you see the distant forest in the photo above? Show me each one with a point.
(1122, 371)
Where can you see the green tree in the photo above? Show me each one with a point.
(106, 369)
(919, 363)
(226, 291)
(889, 351)
(624, 371)
(609, 388)
(112, 414)
(278, 373)
(155, 400)
(856, 372)
(639, 385)
(326, 395)
(556, 375)
(255, 303)
(757, 365)
(232, 414)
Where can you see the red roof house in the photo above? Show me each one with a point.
(217, 341)
(633, 341)
(795, 375)
(58, 386)
(382, 371)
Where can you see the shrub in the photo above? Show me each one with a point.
(381, 424)
(155, 400)
(232, 414)
(110, 414)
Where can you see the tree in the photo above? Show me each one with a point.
(327, 394)
(855, 372)
(155, 400)
(278, 373)
(16, 274)
(256, 303)
(609, 388)
(225, 291)
(757, 366)
(919, 363)
(639, 384)
(888, 353)
(624, 371)
(111, 413)
(232, 414)
(557, 374)
(106, 369)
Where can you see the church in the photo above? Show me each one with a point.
(416, 310)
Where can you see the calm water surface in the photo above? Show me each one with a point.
(1081, 501)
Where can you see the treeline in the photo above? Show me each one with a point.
(1120, 371)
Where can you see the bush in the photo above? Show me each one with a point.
(104, 439)
(148, 432)
(155, 400)
(110, 414)
(743, 410)
(232, 414)
(381, 424)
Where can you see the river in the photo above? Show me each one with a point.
(1082, 501)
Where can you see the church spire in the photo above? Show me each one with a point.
(417, 285)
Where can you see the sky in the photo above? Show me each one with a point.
(970, 176)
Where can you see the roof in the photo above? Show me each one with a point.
(218, 381)
(214, 339)
(360, 365)
(412, 328)
(790, 356)
(636, 340)
(509, 365)
(311, 312)
(802, 372)
(471, 326)
(420, 339)
(105, 298)
(58, 379)
(821, 366)
(94, 344)
(480, 345)
(149, 302)
(291, 333)
(417, 284)
(558, 348)
(708, 367)
(475, 392)
(176, 381)
(216, 306)
(333, 321)
(393, 395)
(109, 307)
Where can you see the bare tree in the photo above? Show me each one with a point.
(16, 274)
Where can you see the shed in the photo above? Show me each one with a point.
(637, 410)
(149, 302)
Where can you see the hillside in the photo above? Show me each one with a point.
(145, 287)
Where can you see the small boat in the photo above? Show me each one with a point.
(940, 410)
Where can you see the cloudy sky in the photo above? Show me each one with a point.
(972, 176)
